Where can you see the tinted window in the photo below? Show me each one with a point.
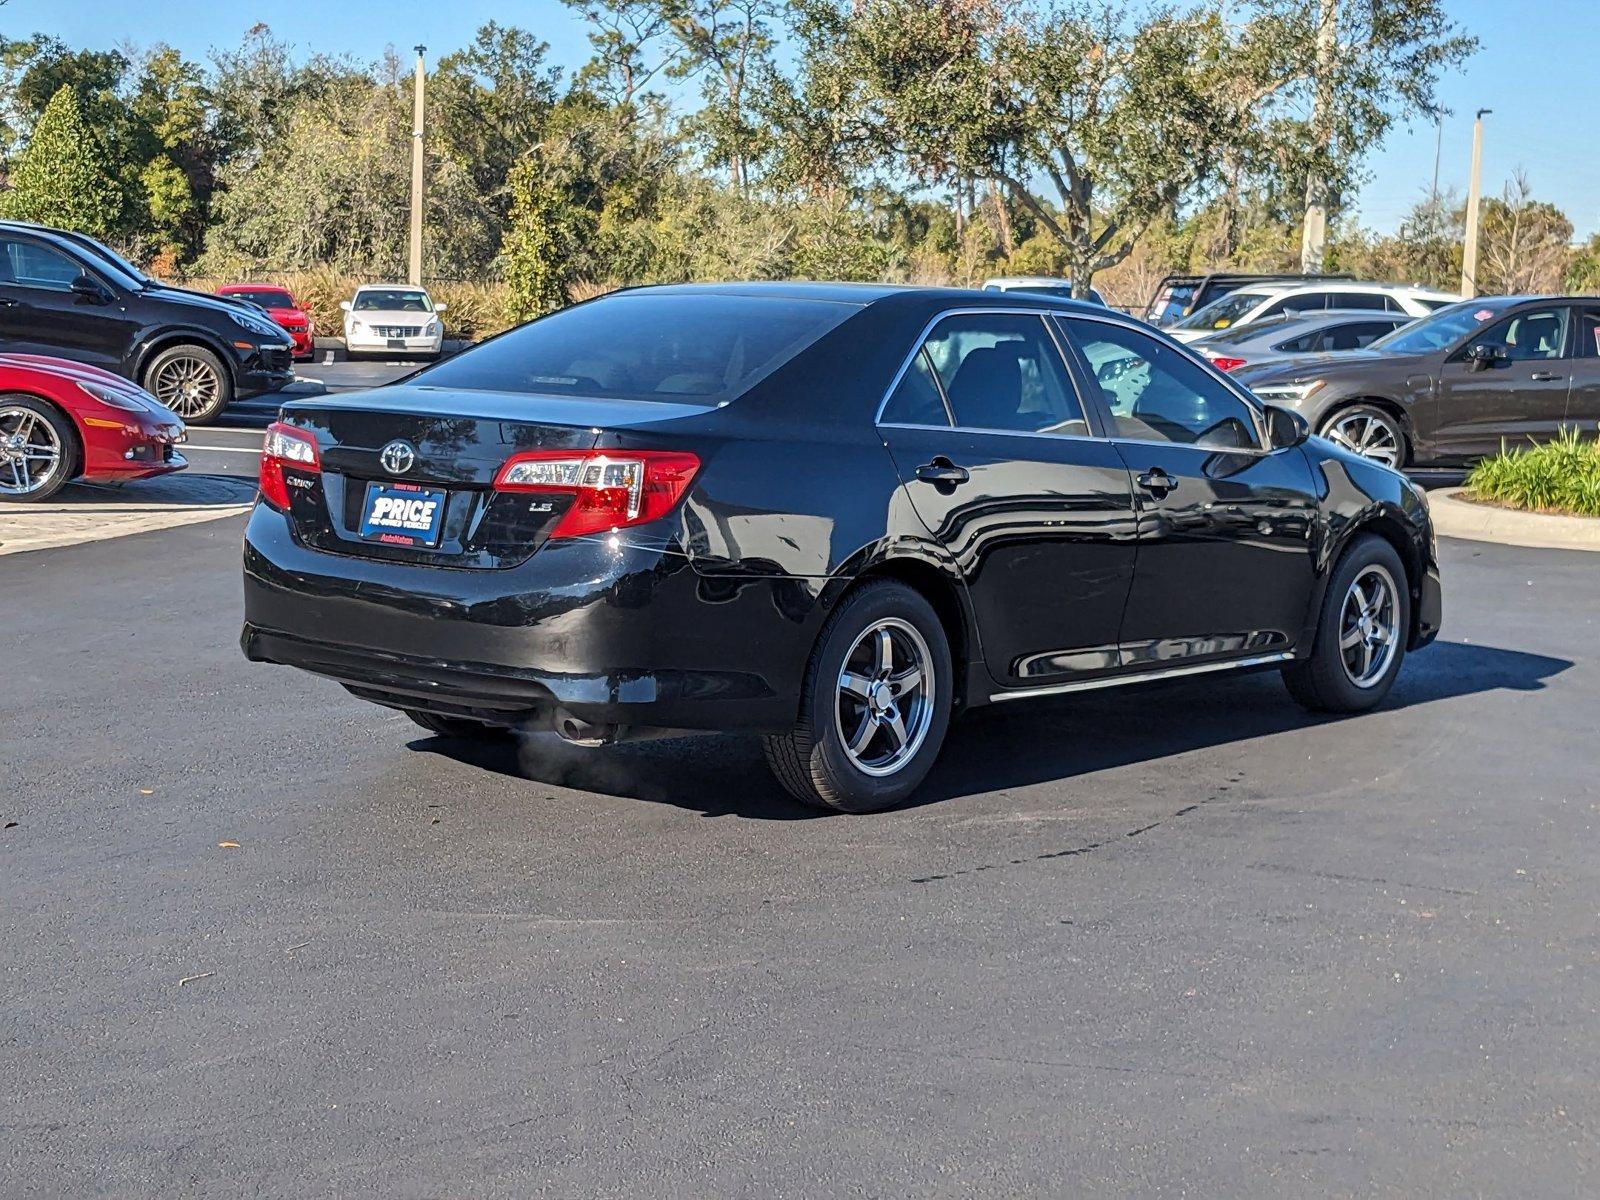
(1302, 303)
(1529, 335)
(1375, 301)
(1354, 334)
(916, 399)
(1157, 394)
(1002, 371)
(644, 347)
(32, 265)
(1589, 333)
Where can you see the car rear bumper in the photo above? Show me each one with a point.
(609, 633)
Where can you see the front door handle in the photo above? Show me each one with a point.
(1544, 376)
(6, 302)
(1157, 482)
(943, 473)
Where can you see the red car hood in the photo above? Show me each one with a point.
(288, 314)
(71, 371)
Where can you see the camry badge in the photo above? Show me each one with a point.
(397, 457)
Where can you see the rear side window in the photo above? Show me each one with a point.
(641, 346)
(916, 399)
(1002, 371)
(1355, 335)
(1375, 301)
(1302, 303)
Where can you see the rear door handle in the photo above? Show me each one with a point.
(943, 473)
(1157, 482)
(1544, 376)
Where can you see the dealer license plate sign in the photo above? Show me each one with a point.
(402, 514)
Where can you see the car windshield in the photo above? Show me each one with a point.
(265, 297)
(392, 300)
(641, 346)
(1444, 328)
(1238, 334)
(1221, 313)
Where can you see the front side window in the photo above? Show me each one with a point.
(1002, 371)
(1528, 336)
(1589, 333)
(32, 265)
(1157, 394)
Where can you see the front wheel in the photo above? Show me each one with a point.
(191, 381)
(38, 449)
(874, 706)
(1361, 634)
(1368, 431)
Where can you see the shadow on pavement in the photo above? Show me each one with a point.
(1002, 746)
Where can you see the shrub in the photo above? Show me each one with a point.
(1561, 476)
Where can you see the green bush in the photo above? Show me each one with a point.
(1560, 476)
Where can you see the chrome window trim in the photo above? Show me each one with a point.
(1106, 681)
(1053, 437)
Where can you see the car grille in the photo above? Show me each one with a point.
(295, 326)
(397, 331)
(274, 359)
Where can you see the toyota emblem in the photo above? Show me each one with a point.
(397, 457)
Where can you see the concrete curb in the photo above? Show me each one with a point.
(1458, 518)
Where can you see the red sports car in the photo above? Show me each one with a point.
(62, 420)
(282, 309)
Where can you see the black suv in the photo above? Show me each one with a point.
(65, 295)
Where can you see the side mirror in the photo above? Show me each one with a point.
(87, 287)
(1285, 427)
(1483, 356)
(345, 305)
(439, 308)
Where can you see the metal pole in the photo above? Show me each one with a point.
(1438, 147)
(1314, 237)
(1469, 252)
(416, 171)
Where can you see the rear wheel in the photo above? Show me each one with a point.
(874, 706)
(1368, 431)
(457, 727)
(191, 381)
(38, 449)
(1361, 634)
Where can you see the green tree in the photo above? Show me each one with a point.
(539, 245)
(63, 176)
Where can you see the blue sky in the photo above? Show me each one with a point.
(1534, 69)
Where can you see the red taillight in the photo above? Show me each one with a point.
(1223, 363)
(285, 446)
(609, 491)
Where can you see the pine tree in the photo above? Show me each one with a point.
(63, 176)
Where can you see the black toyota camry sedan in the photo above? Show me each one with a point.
(832, 515)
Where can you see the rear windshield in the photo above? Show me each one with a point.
(265, 297)
(644, 347)
(392, 300)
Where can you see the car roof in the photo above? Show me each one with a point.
(1347, 285)
(863, 294)
(389, 287)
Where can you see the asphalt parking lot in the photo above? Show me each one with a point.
(262, 938)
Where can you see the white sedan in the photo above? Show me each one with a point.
(393, 319)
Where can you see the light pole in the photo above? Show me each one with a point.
(416, 171)
(1469, 252)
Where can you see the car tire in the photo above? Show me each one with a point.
(50, 431)
(896, 722)
(191, 381)
(1369, 431)
(458, 727)
(1349, 670)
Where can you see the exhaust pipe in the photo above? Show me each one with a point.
(576, 731)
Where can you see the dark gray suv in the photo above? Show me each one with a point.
(1454, 386)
